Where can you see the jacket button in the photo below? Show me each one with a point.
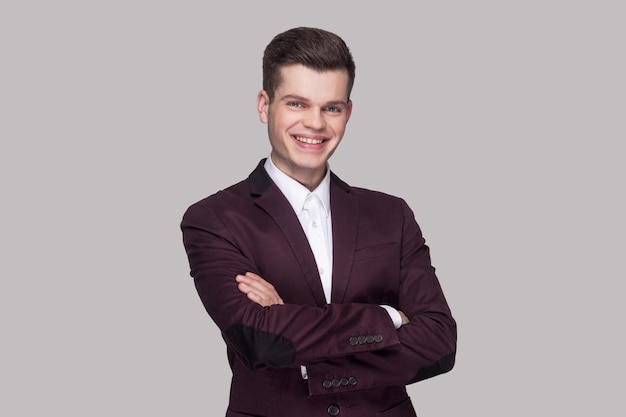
(378, 338)
(327, 383)
(344, 381)
(352, 380)
(354, 341)
(370, 338)
(362, 340)
(333, 410)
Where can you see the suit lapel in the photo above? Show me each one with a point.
(273, 202)
(344, 209)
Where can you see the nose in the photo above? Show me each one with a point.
(314, 119)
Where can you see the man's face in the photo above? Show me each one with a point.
(306, 120)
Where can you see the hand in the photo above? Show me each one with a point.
(405, 319)
(258, 290)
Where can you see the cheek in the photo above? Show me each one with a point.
(282, 121)
(339, 126)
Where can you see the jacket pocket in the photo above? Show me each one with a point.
(378, 251)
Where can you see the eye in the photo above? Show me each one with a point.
(333, 109)
(295, 104)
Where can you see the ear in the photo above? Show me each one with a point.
(262, 105)
(348, 110)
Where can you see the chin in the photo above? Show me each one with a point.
(312, 165)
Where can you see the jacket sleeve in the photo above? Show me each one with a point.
(278, 336)
(427, 344)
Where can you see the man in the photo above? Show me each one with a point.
(324, 293)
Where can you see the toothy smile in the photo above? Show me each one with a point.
(309, 141)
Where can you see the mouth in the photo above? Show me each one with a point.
(308, 141)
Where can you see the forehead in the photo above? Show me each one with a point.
(298, 80)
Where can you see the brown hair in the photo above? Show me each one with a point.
(314, 48)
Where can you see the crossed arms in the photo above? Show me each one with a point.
(267, 331)
(264, 294)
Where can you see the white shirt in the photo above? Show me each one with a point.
(313, 210)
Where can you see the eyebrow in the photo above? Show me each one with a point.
(299, 98)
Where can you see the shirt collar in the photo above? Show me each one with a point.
(295, 192)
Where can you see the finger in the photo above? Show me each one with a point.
(260, 297)
(246, 285)
(258, 283)
(404, 317)
(255, 298)
(250, 278)
(244, 288)
(253, 276)
(263, 292)
(262, 300)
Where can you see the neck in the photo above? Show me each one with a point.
(311, 179)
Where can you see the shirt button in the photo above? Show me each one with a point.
(333, 410)
(321, 271)
(314, 224)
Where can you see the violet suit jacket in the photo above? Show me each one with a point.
(358, 364)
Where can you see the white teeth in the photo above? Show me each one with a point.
(309, 140)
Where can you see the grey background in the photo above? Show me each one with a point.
(501, 123)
